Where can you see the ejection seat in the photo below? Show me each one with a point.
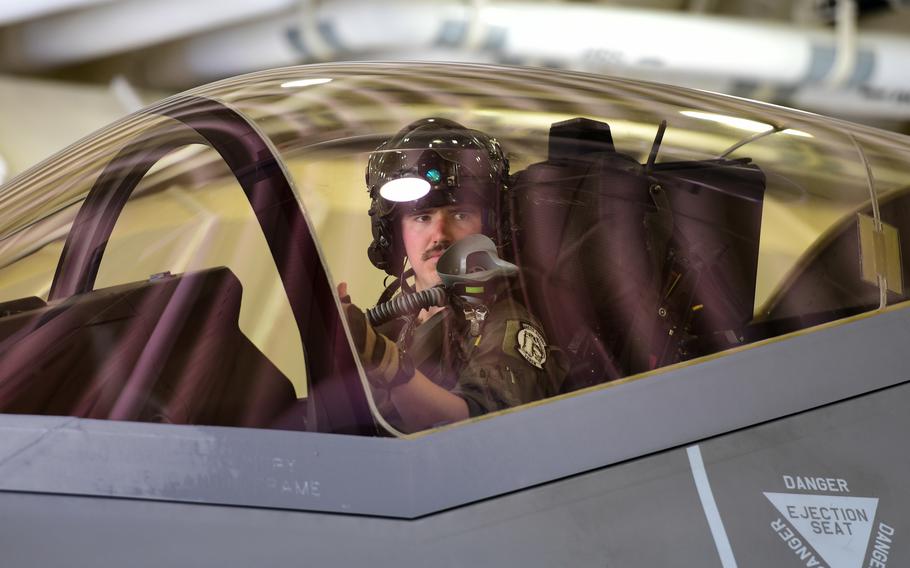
(634, 266)
(164, 350)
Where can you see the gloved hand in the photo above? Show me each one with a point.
(386, 366)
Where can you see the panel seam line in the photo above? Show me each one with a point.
(715, 523)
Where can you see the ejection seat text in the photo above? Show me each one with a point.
(804, 483)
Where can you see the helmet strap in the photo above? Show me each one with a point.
(399, 282)
(406, 272)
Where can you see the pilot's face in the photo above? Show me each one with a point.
(427, 233)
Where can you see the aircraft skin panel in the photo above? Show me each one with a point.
(459, 465)
(831, 482)
(641, 513)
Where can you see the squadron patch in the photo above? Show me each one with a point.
(531, 345)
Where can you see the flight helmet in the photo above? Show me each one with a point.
(432, 162)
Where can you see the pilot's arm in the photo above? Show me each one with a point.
(420, 402)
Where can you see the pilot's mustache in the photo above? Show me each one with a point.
(441, 246)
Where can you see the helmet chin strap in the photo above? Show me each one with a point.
(398, 282)
(405, 274)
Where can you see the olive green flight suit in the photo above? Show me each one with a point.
(507, 363)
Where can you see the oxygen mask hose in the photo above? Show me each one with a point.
(406, 304)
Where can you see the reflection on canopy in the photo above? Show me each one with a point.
(639, 245)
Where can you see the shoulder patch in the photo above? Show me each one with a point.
(531, 345)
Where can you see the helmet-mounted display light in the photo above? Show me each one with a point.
(405, 189)
(418, 172)
(413, 187)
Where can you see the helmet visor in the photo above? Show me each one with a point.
(447, 176)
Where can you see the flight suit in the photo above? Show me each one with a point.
(502, 363)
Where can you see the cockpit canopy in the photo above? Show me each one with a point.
(180, 265)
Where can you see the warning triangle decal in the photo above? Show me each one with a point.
(838, 528)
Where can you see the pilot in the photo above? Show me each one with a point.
(444, 364)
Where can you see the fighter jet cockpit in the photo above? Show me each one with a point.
(237, 255)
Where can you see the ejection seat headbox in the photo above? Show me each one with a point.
(633, 266)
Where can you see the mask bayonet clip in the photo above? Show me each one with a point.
(476, 316)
